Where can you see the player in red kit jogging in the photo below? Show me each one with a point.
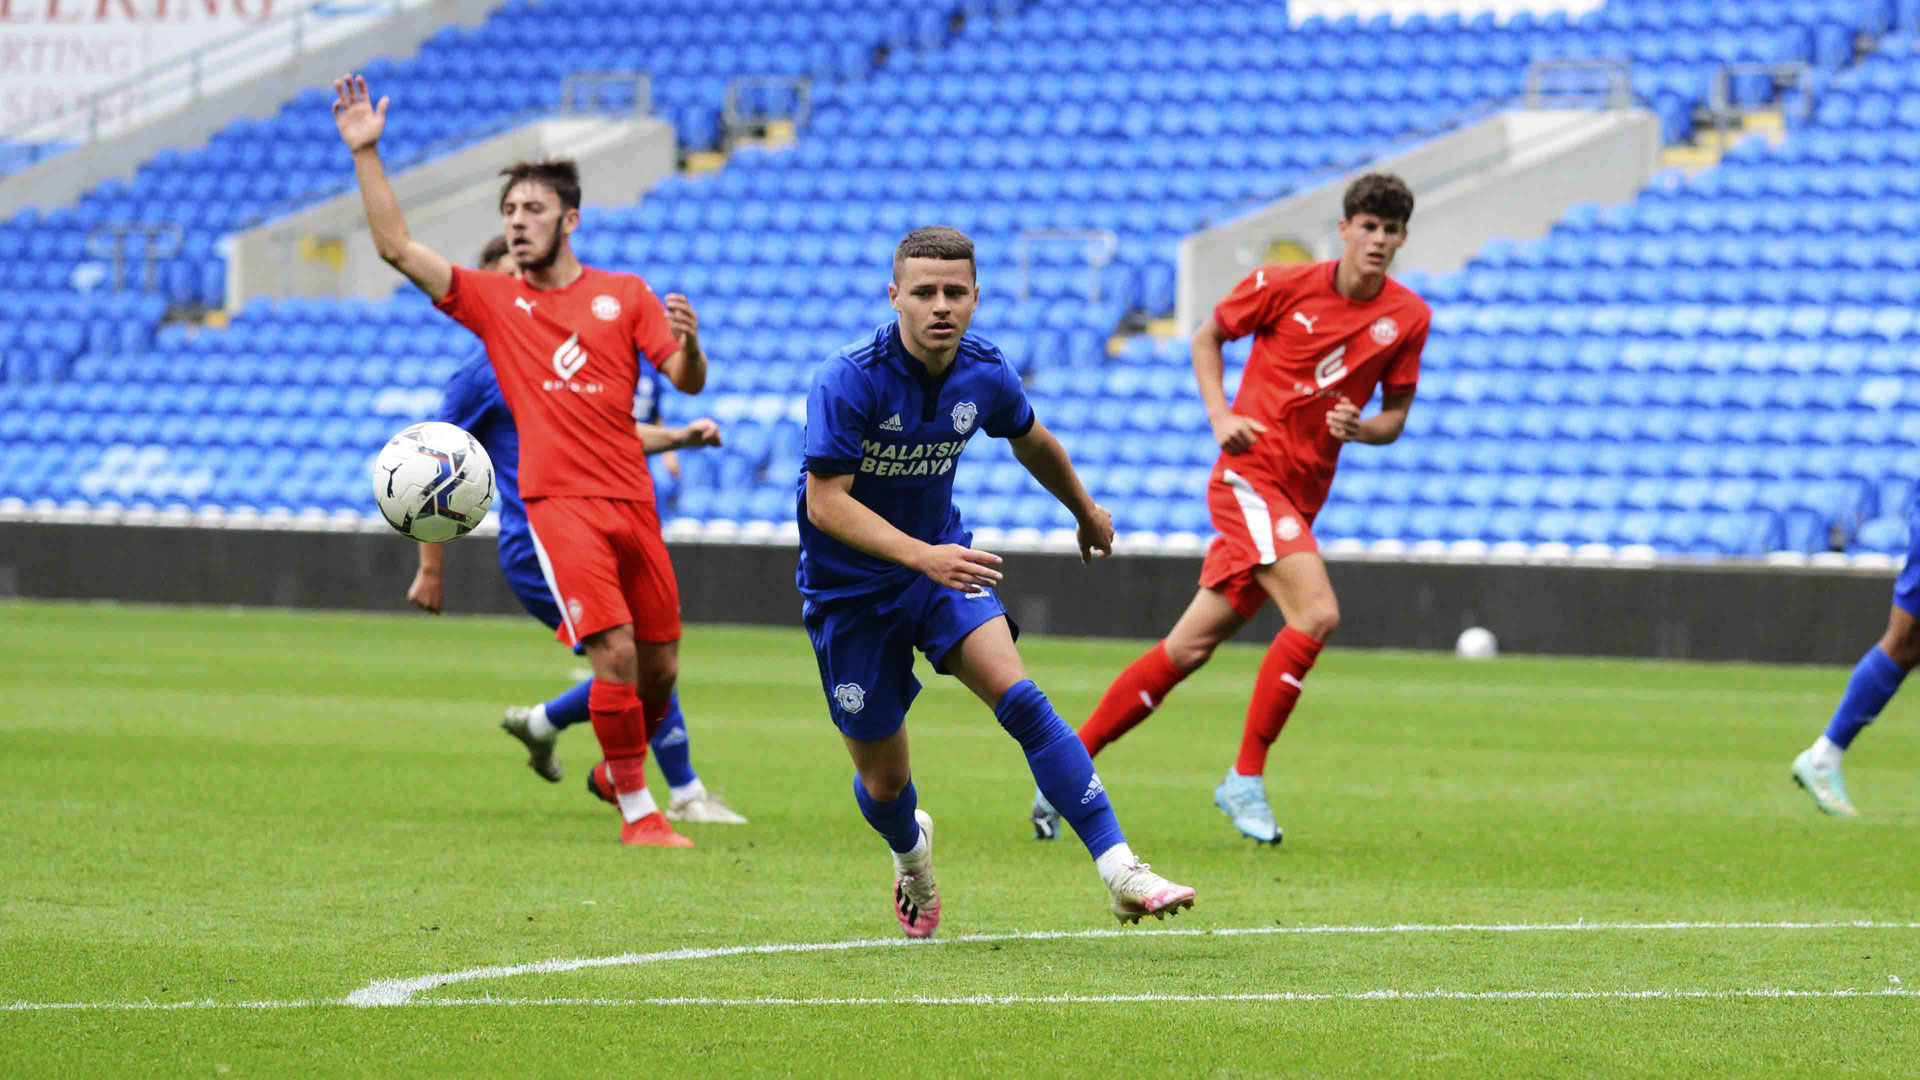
(1324, 336)
(566, 341)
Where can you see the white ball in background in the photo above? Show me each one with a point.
(1476, 643)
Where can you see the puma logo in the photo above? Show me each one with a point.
(524, 304)
(1303, 320)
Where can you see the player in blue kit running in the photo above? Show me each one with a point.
(885, 568)
(472, 400)
(1876, 678)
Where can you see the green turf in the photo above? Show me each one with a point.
(234, 806)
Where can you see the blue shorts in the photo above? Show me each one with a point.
(529, 585)
(865, 648)
(1906, 587)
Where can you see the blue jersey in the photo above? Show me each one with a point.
(874, 413)
(472, 400)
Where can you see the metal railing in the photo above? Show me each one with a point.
(1579, 84)
(110, 242)
(1099, 246)
(580, 91)
(184, 81)
(733, 119)
(1795, 74)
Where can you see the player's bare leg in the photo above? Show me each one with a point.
(621, 723)
(988, 664)
(1299, 586)
(1136, 692)
(883, 785)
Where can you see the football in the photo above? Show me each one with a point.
(433, 482)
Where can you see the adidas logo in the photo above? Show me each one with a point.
(1094, 787)
(892, 423)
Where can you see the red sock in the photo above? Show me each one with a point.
(655, 711)
(1132, 698)
(1288, 660)
(619, 722)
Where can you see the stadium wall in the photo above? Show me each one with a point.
(1711, 612)
(452, 206)
(1510, 176)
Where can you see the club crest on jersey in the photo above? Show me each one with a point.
(1385, 330)
(1287, 528)
(606, 308)
(850, 697)
(575, 610)
(963, 416)
(569, 358)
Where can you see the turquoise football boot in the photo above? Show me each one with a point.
(1244, 799)
(1828, 788)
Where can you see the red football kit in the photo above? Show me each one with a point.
(568, 361)
(1312, 348)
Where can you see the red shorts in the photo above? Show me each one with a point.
(1258, 526)
(607, 565)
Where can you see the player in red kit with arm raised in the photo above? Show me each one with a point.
(1325, 335)
(566, 341)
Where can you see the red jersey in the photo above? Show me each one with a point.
(1311, 348)
(568, 361)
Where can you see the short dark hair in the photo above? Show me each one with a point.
(934, 242)
(559, 174)
(1383, 195)
(492, 253)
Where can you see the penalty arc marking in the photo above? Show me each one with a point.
(400, 992)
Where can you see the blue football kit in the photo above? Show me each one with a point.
(1876, 678)
(876, 414)
(472, 400)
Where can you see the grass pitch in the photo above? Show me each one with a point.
(213, 808)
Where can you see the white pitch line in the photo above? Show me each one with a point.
(999, 999)
(400, 991)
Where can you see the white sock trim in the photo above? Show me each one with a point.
(635, 805)
(915, 861)
(1826, 753)
(537, 723)
(1113, 860)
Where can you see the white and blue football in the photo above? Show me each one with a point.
(433, 482)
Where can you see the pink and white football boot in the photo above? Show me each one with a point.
(1138, 891)
(916, 900)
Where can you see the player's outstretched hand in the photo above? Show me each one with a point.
(1236, 434)
(702, 432)
(359, 119)
(428, 591)
(963, 568)
(1344, 421)
(1096, 535)
(681, 318)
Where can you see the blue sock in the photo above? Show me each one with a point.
(671, 747)
(1060, 766)
(893, 820)
(569, 708)
(1875, 678)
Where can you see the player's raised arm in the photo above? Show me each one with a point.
(1047, 460)
(361, 123)
(833, 510)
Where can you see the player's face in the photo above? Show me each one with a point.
(935, 299)
(1371, 242)
(536, 225)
